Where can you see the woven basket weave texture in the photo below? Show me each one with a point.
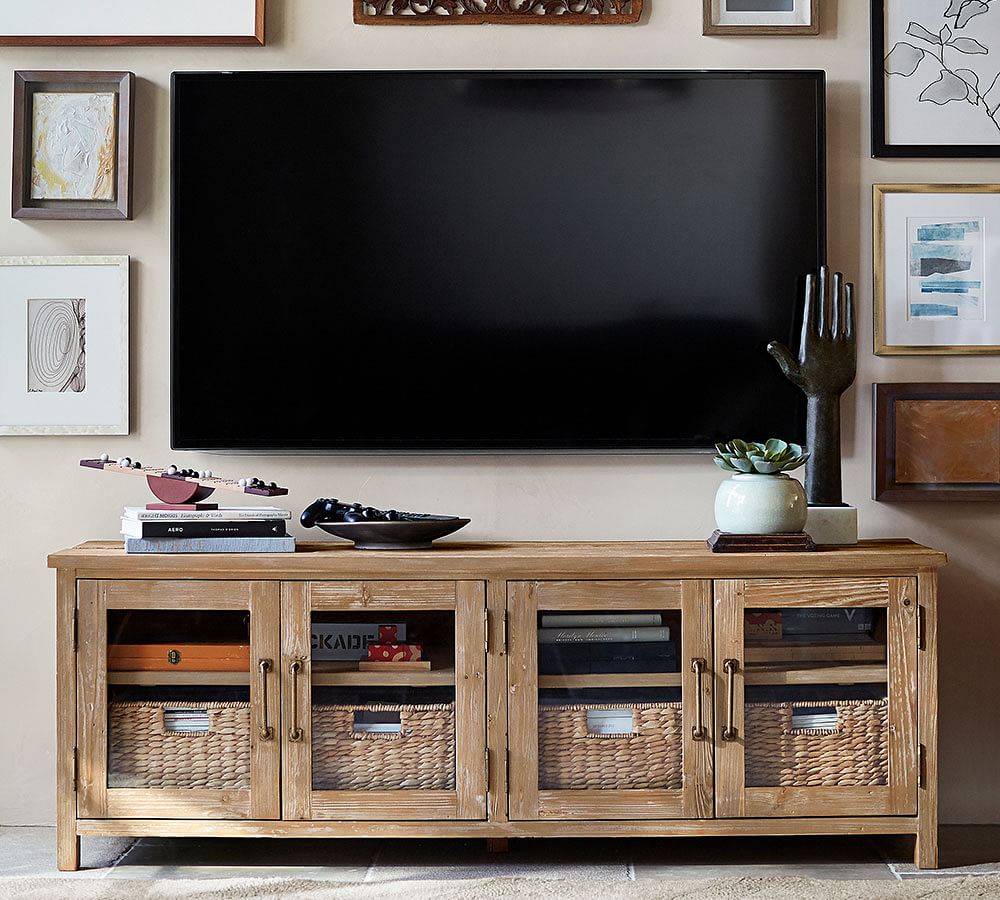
(142, 753)
(420, 758)
(854, 754)
(570, 758)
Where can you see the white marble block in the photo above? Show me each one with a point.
(828, 525)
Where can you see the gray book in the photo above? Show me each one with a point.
(211, 545)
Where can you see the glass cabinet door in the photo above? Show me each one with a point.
(384, 701)
(610, 699)
(816, 686)
(178, 700)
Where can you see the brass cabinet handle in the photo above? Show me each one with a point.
(698, 732)
(295, 733)
(730, 667)
(266, 732)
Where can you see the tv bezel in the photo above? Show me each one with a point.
(181, 332)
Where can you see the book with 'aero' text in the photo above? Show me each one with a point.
(204, 528)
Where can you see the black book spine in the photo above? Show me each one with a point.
(213, 529)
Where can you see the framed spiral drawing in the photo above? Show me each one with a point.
(64, 345)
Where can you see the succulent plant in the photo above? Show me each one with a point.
(750, 458)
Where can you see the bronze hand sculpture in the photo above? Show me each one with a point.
(826, 366)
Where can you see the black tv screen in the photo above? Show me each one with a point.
(489, 261)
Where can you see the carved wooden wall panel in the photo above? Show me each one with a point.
(500, 12)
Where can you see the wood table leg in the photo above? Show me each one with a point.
(497, 845)
(925, 855)
(67, 847)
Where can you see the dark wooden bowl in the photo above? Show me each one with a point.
(418, 535)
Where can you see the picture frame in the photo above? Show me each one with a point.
(497, 12)
(44, 184)
(935, 254)
(926, 107)
(760, 17)
(64, 345)
(120, 23)
(936, 442)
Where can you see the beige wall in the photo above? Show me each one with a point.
(46, 502)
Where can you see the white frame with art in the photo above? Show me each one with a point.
(937, 269)
(751, 19)
(64, 345)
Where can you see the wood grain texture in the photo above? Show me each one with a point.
(608, 595)
(177, 679)
(730, 770)
(612, 680)
(67, 841)
(778, 652)
(382, 595)
(830, 592)
(470, 700)
(140, 803)
(623, 805)
(926, 856)
(296, 756)
(699, 755)
(874, 674)
(903, 696)
(428, 678)
(513, 561)
(92, 701)
(265, 753)
(791, 802)
(383, 806)
(178, 594)
(581, 828)
(522, 699)
(496, 700)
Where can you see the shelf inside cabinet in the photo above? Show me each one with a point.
(815, 651)
(333, 674)
(612, 680)
(855, 674)
(181, 679)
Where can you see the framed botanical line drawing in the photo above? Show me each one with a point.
(936, 442)
(763, 17)
(935, 82)
(64, 345)
(48, 23)
(72, 154)
(937, 269)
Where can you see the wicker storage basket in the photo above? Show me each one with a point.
(143, 753)
(854, 754)
(571, 758)
(420, 758)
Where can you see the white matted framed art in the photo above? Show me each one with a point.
(763, 17)
(935, 83)
(937, 269)
(45, 23)
(64, 345)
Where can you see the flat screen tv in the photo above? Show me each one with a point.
(435, 262)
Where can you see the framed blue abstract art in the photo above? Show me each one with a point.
(937, 259)
(935, 78)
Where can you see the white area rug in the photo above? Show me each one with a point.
(495, 889)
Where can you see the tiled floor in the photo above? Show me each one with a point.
(965, 850)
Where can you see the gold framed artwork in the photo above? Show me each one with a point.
(72, 154)
(936, 255)
(761, 17)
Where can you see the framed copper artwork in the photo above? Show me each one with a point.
(497, 12)
(107, 23)
(72, 155)
(937, 441)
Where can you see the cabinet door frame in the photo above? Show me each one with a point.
(467, 599)
(693, 598)
(95, 800)
(898, 596)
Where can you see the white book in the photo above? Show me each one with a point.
(602, 620)
(225, 513)
(601, 635)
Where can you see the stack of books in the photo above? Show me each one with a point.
(234, 529)
(588, 644)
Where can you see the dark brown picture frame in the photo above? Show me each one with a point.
(885, 486)
(150, 40)
(710, 29)
(498, 12)
(26, 85)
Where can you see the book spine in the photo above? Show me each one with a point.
(207, 515)
(600, 635)
(205, 529)
(603, 620)
(210, 545)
